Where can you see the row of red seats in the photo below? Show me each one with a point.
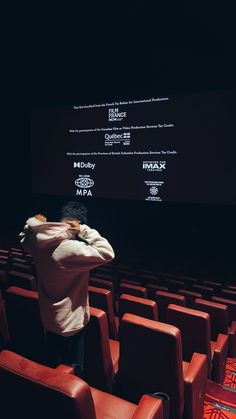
(147, 359)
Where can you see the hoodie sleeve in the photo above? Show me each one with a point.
(93, 251)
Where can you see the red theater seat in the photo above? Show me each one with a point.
(136, 290)
(101, 354)
(190, 297)
(151, 361)
(102, 299)
(196, 337)
(163, 299)
(152, 288)
(207, 292)
(30, 390)
(219, 322)
(27, 335)
(136, 305)
(22, 280)
(231, 304)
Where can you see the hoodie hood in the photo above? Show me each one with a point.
(46, 234)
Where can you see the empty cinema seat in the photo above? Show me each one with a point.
(136, 305)
(22, 280)
(219, 322)
(27, 335)
(136, 290)
(231, 304)
(102, 299)
(207, 292)
(101, 353)
(196, 337)
(153, 288)
(190, 297)
(151, 361)
(30, 390)
(163, 299)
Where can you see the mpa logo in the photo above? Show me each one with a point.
(83, 192)
(154, 166)
(124, 136)
(115, 115)
(84, 182)
(83, 165)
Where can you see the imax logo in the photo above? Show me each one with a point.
(154, 166)
(83, 165)
(125, 136)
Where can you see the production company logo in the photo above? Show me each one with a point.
(84, 183)
(153, 190)
(115, 115)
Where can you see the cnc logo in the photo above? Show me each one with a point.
(83, 165)
(84, 182)
(154, 166)
(124, 136)
(115, 115)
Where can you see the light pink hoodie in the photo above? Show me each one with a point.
(63, 265)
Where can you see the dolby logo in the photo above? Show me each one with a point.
(83, 165)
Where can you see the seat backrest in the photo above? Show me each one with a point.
(227, 293)
(163, 299)
(102, 283)
(22, 280)
(190, 297)
(98, 366)
(231, 304)
(195, 331)
(219, 316)
(136, 290)
(152, 288)
(27, 335)
(136, 305)
(30, 390)
(174, 284)
(150, 361)
(102, 299)
(206, 292)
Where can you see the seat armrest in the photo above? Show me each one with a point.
(195, 381)
(67, 369)
(232, 340)
(149, 407)
(220, 358)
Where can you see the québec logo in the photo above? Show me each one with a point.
(124, 136)
(154, 166)
(115, 115)
(83, 165)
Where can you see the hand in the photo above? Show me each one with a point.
(41, 217)
(75, 225)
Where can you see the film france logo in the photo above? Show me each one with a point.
(84, 183)
(115, 115)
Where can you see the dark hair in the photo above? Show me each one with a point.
(74, 211)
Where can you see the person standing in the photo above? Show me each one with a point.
(64, 252)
